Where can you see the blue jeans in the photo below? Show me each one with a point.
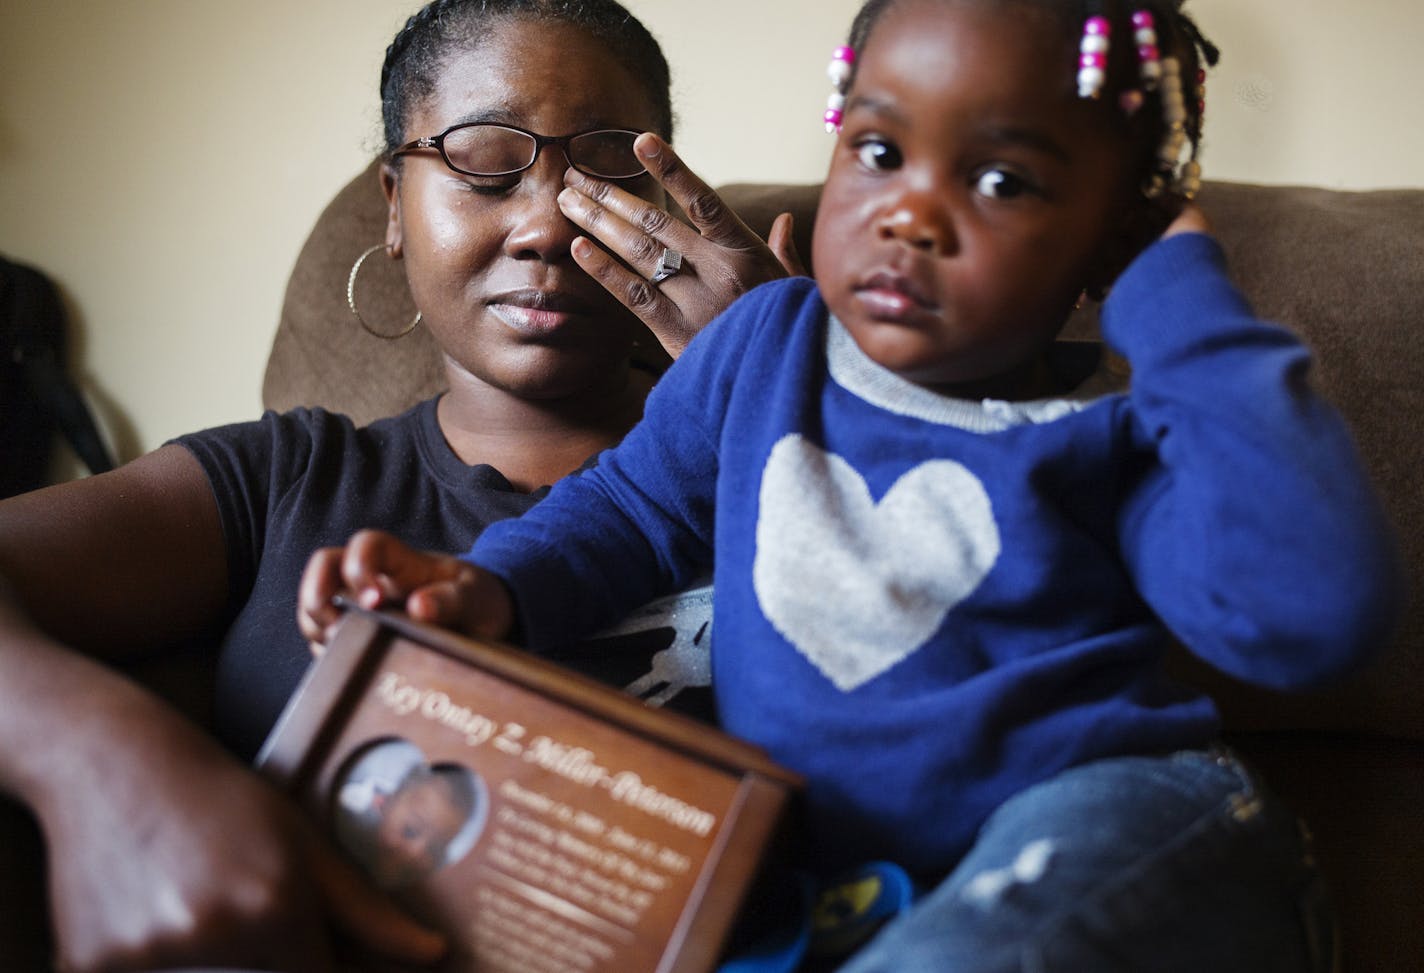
(1135, 864)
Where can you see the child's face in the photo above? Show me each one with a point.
(417, 825)
(971, 195)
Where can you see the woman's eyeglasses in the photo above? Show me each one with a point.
(483, 149)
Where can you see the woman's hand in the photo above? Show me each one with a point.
(377, 569)
(722, 257)
(184, 857)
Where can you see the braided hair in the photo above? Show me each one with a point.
(1177, 37)
(418, 53)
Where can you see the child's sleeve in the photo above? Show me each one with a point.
(638, 524)
(1252, 529)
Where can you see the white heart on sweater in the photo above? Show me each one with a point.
(858, 586)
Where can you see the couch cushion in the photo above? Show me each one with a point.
(321, 355)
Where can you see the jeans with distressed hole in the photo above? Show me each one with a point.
(1141, 864)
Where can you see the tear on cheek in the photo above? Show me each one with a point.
(988, 887)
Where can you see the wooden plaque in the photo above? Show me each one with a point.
(544, 821)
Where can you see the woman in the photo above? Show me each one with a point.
(164, 848)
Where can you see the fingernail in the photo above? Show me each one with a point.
(647, 146)
(568, 197)
(581, 247)
(370, 598)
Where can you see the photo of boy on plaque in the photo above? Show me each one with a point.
(402, 818)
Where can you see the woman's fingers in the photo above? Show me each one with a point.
(636, 293)
(638, 231)
(628, 226)
(712, 217)
(720, 257)
(783, 243)
(369, 918)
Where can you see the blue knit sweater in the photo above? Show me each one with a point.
(926, 604)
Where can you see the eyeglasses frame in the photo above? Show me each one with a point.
(437, 142)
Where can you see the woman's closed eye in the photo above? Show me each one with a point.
(997, 182)
(490, 185)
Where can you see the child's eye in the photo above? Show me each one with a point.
(1002, 184)
(878, 156)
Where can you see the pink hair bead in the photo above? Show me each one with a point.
(1093, 56)
(1149, 58)
(839, 71)
(842, 60)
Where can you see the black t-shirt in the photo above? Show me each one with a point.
(292, 482)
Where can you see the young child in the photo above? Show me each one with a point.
(419, 826)
(946, 574)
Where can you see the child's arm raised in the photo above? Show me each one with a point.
(1254, 531)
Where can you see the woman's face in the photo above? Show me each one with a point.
(488, 260)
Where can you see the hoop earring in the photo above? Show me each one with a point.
(351, 300)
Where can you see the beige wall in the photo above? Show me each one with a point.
(164, 159)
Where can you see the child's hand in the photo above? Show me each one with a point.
(1190, 220)
(377, 569)
(1154, 220)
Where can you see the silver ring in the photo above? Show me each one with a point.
(668, 264)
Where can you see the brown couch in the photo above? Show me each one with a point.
(1345, 269)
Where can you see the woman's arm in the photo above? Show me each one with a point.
(119, 564)
(162, 849)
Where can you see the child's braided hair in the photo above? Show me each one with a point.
(1178, 37)
(417, 55)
